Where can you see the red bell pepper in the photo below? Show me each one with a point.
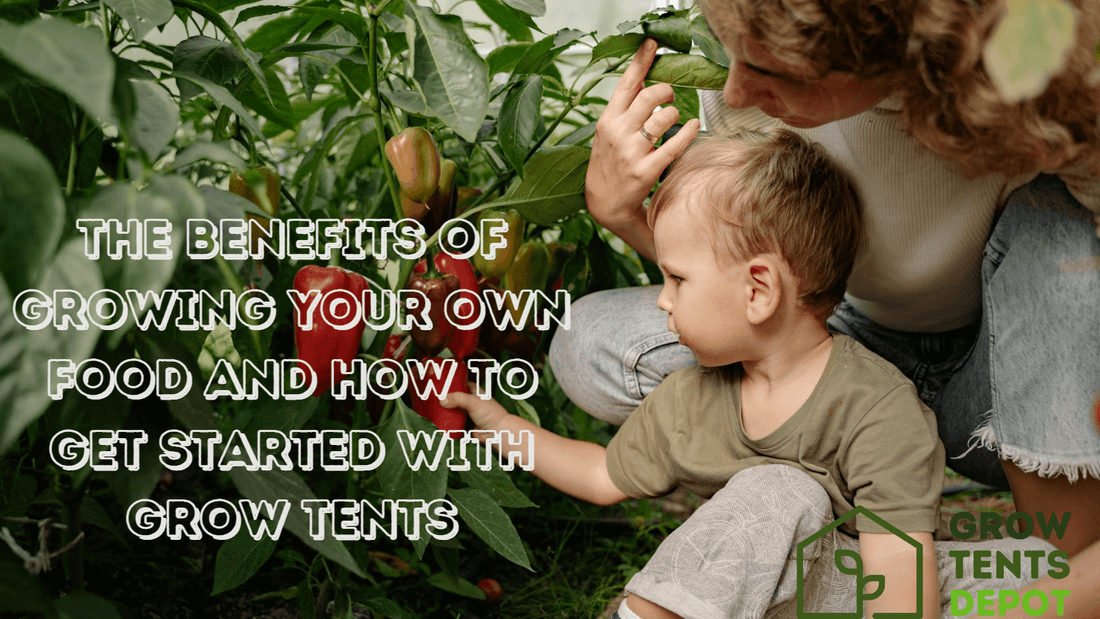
(463, 342)
(453, 420)
(321, 344)
(436, 290)
(396, 345)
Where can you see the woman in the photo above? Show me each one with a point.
(981, 276)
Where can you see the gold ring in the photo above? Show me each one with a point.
(645, 134)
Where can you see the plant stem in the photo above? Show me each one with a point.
(74, 559)
(293, 202)
(70, 180)
(377, 9)
(320, 608)
(376, 109)
(574, 101)
(234, 284)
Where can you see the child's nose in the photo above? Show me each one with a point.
(664, 300)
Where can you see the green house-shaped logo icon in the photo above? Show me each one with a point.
(861, 581)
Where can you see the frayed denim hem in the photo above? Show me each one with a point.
(1031, 462)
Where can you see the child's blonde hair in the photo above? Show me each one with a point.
(771, 193)
(933, 49)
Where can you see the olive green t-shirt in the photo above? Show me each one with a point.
(863, 434)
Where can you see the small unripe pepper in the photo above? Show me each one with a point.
(441, 206)
(267, 200)
(463, 342)
(415, 159)
(464, 197)
(322, 343)
(529, 271)
(504, 256)
(430, 341)
(452, 420)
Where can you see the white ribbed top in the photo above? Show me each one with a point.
(926, 225)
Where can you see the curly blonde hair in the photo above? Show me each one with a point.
(934, 49)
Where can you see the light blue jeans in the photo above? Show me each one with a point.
(1021, 383)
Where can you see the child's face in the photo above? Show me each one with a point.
(705, 303)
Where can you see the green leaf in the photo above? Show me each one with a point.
(705, 41)
(617, 46)
(567, 36)
(537, 8)
(17, 490)
(452, 76)
(349, 20)
(399, 481)
(516, 23)
(687, 102)
(214, 152)
(91, 512)
(70, 58)
(253, 12)
(273, 485)
(239, 558)
(165, 197)
(519, 117)
(212, 59)
(142, 15)
(84, 605)
(458, 586)
(12, 344)
(409, 100)
(276, 32)
(19, 591)
(506, 57)
(32, 212)
(553, 185)
(495, 483)
(1029, 47)
(281, 415)
(277, 108)
(37, 112)
(70, 270)
(672, 30)
(157, 118)
(223, 97)
(538, 57)
(192, 410)
(18, 11)
(316, 64)
(489, 522)
(688, 71)
(528, 412)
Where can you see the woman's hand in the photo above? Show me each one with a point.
(624, 165)
(486, 414)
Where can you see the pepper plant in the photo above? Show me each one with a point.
(279, 112)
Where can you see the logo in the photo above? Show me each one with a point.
(862, 595)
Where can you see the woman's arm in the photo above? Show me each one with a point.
(624, 165)
(896, 559)
(577, 468)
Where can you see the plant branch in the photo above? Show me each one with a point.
(289, 198)
(375, 104)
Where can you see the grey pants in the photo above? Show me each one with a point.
(736, 557)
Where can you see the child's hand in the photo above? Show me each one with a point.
(486, 414)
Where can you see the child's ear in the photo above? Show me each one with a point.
(765, 290)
